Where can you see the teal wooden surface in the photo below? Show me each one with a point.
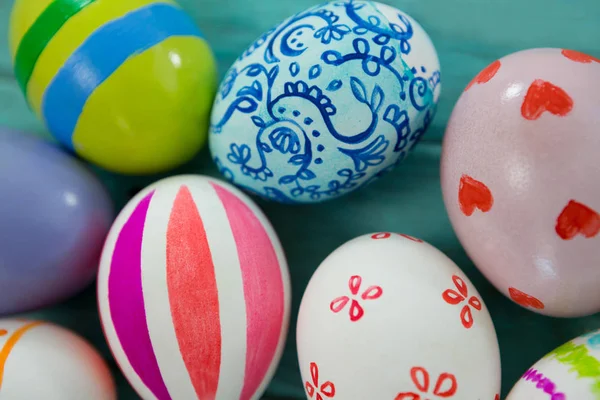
(468, 35)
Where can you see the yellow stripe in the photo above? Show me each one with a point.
(73, 33)
(11, 342)
(150, 115)
(24, 14)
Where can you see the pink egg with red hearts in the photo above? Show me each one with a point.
(519, 175)
(194, 292)
(388, 316)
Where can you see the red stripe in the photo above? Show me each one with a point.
(263, 289)
(193, 295)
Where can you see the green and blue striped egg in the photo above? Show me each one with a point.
(126, 84)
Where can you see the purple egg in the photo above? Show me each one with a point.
(519, 173)
(54, 216)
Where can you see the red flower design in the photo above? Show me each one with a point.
(382, 235)
(356, 310)
(453, 297)
(387, 235)
(327, 389)
(414, 239)
(445, 386)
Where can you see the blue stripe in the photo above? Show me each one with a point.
(101, 54)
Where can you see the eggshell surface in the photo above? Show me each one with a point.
(518, 172)
(325, 102)
(39, 360)
(572, 371)
(388, 316)
(126, 84)
(194, 292)
(54, 217)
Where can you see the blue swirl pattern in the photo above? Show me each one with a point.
(326, 102)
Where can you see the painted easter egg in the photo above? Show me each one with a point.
(518, 172)
(126, 84)
(40, 360)
(572, 371)
(325, 102)
(388, 316)
(194, 292)
(54, 217)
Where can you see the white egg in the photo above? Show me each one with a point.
(388, 316)
(570, 372)
(39, 360)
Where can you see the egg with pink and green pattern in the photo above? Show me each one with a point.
(571, 371)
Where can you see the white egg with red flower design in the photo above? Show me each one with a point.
(388, 316)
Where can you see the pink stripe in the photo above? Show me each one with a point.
(126, 301)
(263, 289)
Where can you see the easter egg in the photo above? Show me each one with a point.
(125, 84)
(194, 292)
(325, 102)
(388, 316)
(40, 360)
(54, 216)
(518, 171)
(572, 371)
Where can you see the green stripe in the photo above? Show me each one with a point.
(40, 33)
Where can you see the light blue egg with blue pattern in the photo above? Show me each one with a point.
(326, 102)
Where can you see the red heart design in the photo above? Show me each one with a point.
(575, 219)
(524, 299)
(578, 56)
(486, 74)
(544, 96)
(474, 194)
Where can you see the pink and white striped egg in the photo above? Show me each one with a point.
(388, 316)
(194, 292)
